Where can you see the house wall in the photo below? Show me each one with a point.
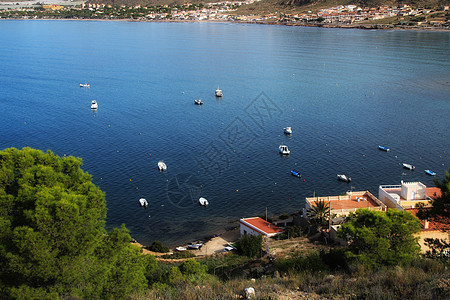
(414, 191)
(247, 230)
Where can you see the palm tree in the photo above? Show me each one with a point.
(319, 213)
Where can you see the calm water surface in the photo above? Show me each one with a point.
(344, 92)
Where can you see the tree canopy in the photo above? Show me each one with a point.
(377, 237)
(441, 205)
(52, 237)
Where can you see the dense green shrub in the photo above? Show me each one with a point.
(157, 246)
(250, 245)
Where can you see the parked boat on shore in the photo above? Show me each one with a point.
(408, 166)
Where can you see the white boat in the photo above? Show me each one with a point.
(94, 104)
(85, 85)
(162, 166)
(181, 249)
(288, 130)
(143, 202)
(203, 202)
(198, 101)
(343, 177)
(384, 148)
(219, 93)
(284, 149)
(195, 246)
(408, 166)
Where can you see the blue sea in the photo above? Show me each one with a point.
(344, 92)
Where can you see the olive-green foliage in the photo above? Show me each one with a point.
(293, 232)
(381, 238)
(52, 237)
(158, 246)
(191, 266)
(250, 245)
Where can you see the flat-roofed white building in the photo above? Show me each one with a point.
(407, 195)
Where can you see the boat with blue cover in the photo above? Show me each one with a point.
(296, 174)
(431, 173)
(383, 148)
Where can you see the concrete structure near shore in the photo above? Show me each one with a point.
(258, 226)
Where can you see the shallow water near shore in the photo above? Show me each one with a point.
(343, 91)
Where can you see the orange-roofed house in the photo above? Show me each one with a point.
(258, 226)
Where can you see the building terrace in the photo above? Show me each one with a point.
(350, 202)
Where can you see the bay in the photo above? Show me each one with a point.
(343, 91)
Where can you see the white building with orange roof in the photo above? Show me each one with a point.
(258, 226)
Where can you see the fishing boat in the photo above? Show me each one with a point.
(198, 101)
(284, 149)
(408, 166)
(383, 148)
(296, 174)
(429, 172)
(85, 85)
(288, 130)
(203, 202)
(162, 166)
(143, 202)
(94, 104)
(343, 177)
(219, 93)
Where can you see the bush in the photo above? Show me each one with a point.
(250, 245)
(158, 246)
(300, 263)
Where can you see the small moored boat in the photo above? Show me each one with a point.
(296, 174)
(431, 173)
(408, 166)
(203, 202)
(143, 202)
(343, 177)
(85, 85)
(162, 166)
(219, 93)
(383, 148)
(94, 104)
(198, 101)
(288, 130)
(284, 149)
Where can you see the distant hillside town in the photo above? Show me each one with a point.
(228, 11)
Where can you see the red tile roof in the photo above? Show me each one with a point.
(261, 225)
(439, 224)
(434, 192)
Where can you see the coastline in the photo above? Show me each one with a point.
(339, 26)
